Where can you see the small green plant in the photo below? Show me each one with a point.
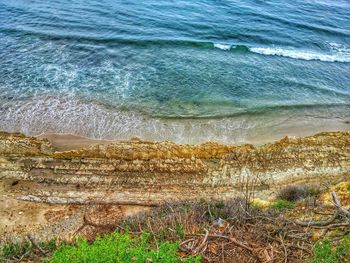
(117, 247)
(283, 204)
(325, 252)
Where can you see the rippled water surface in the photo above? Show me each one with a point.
(187, 71)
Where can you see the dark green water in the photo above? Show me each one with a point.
(187, 71)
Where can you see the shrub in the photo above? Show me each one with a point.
(292, 193)
(325, 252)
(117, 247)
(283, 204)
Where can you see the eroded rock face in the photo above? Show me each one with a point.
(147, 173)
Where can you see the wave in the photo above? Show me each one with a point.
(337, 52)
(302, 54)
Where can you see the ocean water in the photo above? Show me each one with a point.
(186, 71)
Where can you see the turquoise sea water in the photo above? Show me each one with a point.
(187, 71)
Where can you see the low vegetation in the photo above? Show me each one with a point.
(326, 252)
(294, 193)
(288, 230)
(120, 247)
(16, 250)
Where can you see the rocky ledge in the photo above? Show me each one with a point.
(147, 173)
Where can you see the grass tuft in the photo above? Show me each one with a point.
(283, 204)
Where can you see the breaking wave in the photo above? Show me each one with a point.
(338, 54)
(302, 54)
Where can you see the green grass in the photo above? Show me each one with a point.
(15, 250)
(282, 204)
(117, 247)
(348, 187)
(325, 252)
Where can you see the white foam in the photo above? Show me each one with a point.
(302, 54)
(48, 114)
(223, 46)
(70, 115)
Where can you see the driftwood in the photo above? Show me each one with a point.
(339, 213)
(338, 206)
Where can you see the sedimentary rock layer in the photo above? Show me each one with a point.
(147, 173)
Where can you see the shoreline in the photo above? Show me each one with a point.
(70, 141)
(71, 117)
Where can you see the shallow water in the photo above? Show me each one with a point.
(187, 71)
